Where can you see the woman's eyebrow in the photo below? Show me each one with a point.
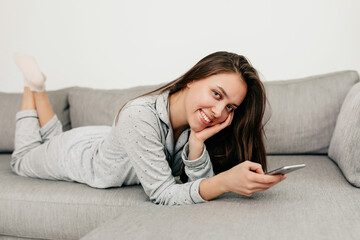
(223, 91)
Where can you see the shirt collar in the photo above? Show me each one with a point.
(162, 107)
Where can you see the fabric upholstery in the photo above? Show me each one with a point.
(345, 143)
(304, 112)
(10, 104)
(299, 123)
(312, 203)
(100, 107)
(316, 202)
(3, 237)
(37, 208)
(300, 205)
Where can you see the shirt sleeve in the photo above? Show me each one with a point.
(139, 132)
(197, 168)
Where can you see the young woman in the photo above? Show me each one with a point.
(205, 126)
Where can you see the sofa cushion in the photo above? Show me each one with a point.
(46, 209)
(304, 112)
(36, 208)
(312, 203)
(345, 144)
(100, 107)
(10, 103)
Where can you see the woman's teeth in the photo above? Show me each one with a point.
(205, 117)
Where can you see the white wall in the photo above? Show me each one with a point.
(116, 44)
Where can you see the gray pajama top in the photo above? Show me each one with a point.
(139, 149)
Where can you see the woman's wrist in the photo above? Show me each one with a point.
(223, 182)
(213, 187)
(196, 148)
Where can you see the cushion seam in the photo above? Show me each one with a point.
(60, 203)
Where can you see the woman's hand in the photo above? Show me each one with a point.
(197, 139)
(212, 130)
(242, 180)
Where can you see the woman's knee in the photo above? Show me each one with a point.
(15, 163)
(51, 130)
(18, 157)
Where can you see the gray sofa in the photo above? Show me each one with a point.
(321, 201)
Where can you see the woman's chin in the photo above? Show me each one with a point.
(197, 127)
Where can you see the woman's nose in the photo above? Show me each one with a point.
(217, 111)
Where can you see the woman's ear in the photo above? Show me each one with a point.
(189, 84)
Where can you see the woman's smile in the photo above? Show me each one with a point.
(204, 118)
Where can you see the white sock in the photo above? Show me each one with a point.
(33, 77)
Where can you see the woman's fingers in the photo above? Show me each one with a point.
(220, 126)
(227, 122)
(255, 167)
(229, 119)
(256, 187)
(248, 177)
(262, 186)
(212, 130)
(253, 189)
(267, 179)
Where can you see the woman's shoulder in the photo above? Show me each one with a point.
(147, 101)
(141, 110)
(146, 108)
(146, 105)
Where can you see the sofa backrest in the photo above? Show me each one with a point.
(303, 111)
(99, 107)
(10, 104)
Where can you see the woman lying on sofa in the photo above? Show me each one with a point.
(205, 126)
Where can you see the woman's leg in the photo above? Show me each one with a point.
(28, 101)
(27, 135)
(43, 107)
(34, 81)
(32, 157)
(35, 124)
(50, 125)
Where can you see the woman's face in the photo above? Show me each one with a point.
(209, 101)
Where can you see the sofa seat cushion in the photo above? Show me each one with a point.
(312, 203)
(36, 208)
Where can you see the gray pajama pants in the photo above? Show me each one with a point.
(31, 142)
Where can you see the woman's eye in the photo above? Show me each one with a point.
(217, 94)
(230, 108)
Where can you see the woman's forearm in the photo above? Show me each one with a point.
(213, 187)
(195, 149)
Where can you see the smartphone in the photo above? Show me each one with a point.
(286, 169)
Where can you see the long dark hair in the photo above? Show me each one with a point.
(244, 138)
